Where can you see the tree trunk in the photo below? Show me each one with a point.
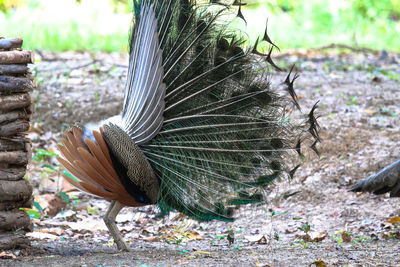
(7, 44)
(16, 57)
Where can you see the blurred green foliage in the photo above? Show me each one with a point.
(104, 24)
(6, 5)
(365, 23)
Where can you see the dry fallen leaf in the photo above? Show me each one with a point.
(369, 111)
(254, 238)
(394, 220)
(319, 263)
(204, 252)
(377, 79)
(151, 238)
(318, 236)
(259, 239)
(194, 236)
(87, 225)
(41, 235)
(177, 217)
(313, 236)
(4, 255)
(346, 237)
(55, 204)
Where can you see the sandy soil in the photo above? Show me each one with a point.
(359, 116)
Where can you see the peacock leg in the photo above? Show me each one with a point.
(109, 220)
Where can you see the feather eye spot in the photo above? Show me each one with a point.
(236, 51)
(223, 44)
(276, 143)
(275, 165)
(219, 60)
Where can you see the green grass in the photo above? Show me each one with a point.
(96, 25)
(315, 23)
(65, 25)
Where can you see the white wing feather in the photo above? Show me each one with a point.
(142, 113)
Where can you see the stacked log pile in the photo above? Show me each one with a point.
(15, 112)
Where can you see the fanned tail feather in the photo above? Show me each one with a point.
(225, 133)
(202, 111)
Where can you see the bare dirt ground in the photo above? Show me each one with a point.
(313, 219)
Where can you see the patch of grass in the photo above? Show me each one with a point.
(301, 243)
(96, 25)
(365, 23)
(66, 25)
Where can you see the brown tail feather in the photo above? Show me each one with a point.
(76, 172)
(71, 149)
(72, 139)
(94, 169)
(65, 153)
(90, 162)
(97, 191)
(78, 134)
(73, 182)
(97, 152)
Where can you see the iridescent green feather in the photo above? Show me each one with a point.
(225, 131)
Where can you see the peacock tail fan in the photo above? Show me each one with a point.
(225, 132)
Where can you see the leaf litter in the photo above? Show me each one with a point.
(321, 224)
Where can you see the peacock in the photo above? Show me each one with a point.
(386, 180)
(201, 130)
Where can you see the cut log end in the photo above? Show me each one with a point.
(11, 205)
(15, 101)
(14, 69)
(7, 44)
(13, 240)
(13, 220)
(17, 57)
(14, 157)
(14, 127)
(9, 84)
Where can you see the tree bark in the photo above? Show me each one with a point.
(16, 191)
(7, 44)
(16, 219)
(11, 102)
(12, 84)
(14, 157)
(12, 240)
(10, 205)
(12, 174)
(14, 127)
(16, 57)
(13, 69)
(13, 115)
(8, 145)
